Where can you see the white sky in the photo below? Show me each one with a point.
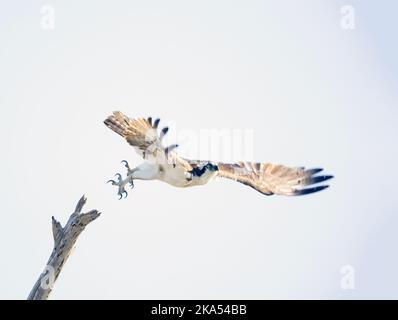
(312, 93)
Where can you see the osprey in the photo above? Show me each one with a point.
(164, 164)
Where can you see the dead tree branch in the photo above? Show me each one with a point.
(64, 240)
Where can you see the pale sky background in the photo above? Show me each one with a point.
(314, 94)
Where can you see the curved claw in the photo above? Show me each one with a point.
(126, 164)
(131, 184)
(122, 193)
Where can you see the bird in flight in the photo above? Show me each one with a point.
(164, 164)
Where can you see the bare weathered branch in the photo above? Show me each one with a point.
(57, 229)
(80, 204)
(64, 240)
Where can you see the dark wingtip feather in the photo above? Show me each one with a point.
(310, 190)
(150, 121)
(170, 148)
(311, 172)
(164, 131)
(156, 123)
(317, 179)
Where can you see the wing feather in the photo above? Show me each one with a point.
(143, 135)
(271, 179)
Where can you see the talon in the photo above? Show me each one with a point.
(131, 184)
(121, 183)
(126, 164)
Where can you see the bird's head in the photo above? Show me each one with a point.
(205, 172)
(211, 167)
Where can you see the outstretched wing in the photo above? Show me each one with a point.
(143, 135)
(271, 179)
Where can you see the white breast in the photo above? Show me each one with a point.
(176, 176)
(179, 177)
